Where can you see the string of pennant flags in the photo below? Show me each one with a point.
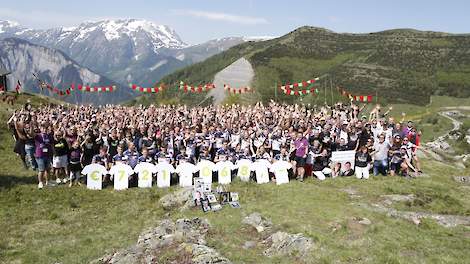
(300, 88)
(196, 89)
(355, 98)
(296, 89)
(237, 90)
(155, 89)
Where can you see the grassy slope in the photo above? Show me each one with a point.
(403, 65)
(43, 226)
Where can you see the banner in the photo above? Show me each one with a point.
(343, 157)
(237, 90)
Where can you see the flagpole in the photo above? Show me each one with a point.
(275, 91)
(376, 95)
(331, 90)
(324, 88)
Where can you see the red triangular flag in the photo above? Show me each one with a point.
(361, 98)
(369, 98)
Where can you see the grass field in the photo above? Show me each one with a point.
(77, 225)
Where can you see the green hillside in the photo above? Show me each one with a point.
(403, 65)
(76, 225)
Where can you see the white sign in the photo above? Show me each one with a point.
(279, 168)
(205, 170)
(145, 171)
(164, 171)
(261, 169)
(244, 169)
(225, 171)
(94, 173)
(121, 173)
(343, 157)
(185, 171)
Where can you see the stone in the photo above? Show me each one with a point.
(399, 197)
(180, 198)
(282, 243)
(364, 221)
(415, 220)
(462, 179)
(169, 235)
(249, 244)
(202, 254)
(443, 220)
(257, 221)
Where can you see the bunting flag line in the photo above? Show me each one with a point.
(237, 90)
(355, 98)
(55, 90)
(136, 87)
(88, 88)
(300, 92)
(196, 89)
(299, 84)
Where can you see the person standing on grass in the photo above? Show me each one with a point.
(75, 164)
(380, 155)
(301, 149)
(43, 145)
(362, 162)
(60, 157)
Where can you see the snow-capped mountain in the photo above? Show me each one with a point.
(24, 59)
(124, 50)
(106, 46)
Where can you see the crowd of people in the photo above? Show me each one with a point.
(59, 141)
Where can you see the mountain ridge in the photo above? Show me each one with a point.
(24, 59)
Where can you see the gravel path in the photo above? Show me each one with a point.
(238, 74)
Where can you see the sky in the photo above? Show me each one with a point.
(197, 21)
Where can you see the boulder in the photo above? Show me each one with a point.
(169, 236)
(462, 179)
(364, 221)
(202, 254)
(180, 198)
(282, 243)
(257, 221)
(249, 244)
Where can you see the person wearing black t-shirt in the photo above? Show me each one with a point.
(60, 162)
(363, 160)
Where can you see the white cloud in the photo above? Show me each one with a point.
(244, 20)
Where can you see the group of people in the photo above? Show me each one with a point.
(59, 141)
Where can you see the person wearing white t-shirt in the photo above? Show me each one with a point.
(145, 170)
(185, 171)
(261, 169)
(205, 168)
(279, 168)
(225, 171)
(244, 169)
(164, 170)
(121, 173)
(94, 173)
